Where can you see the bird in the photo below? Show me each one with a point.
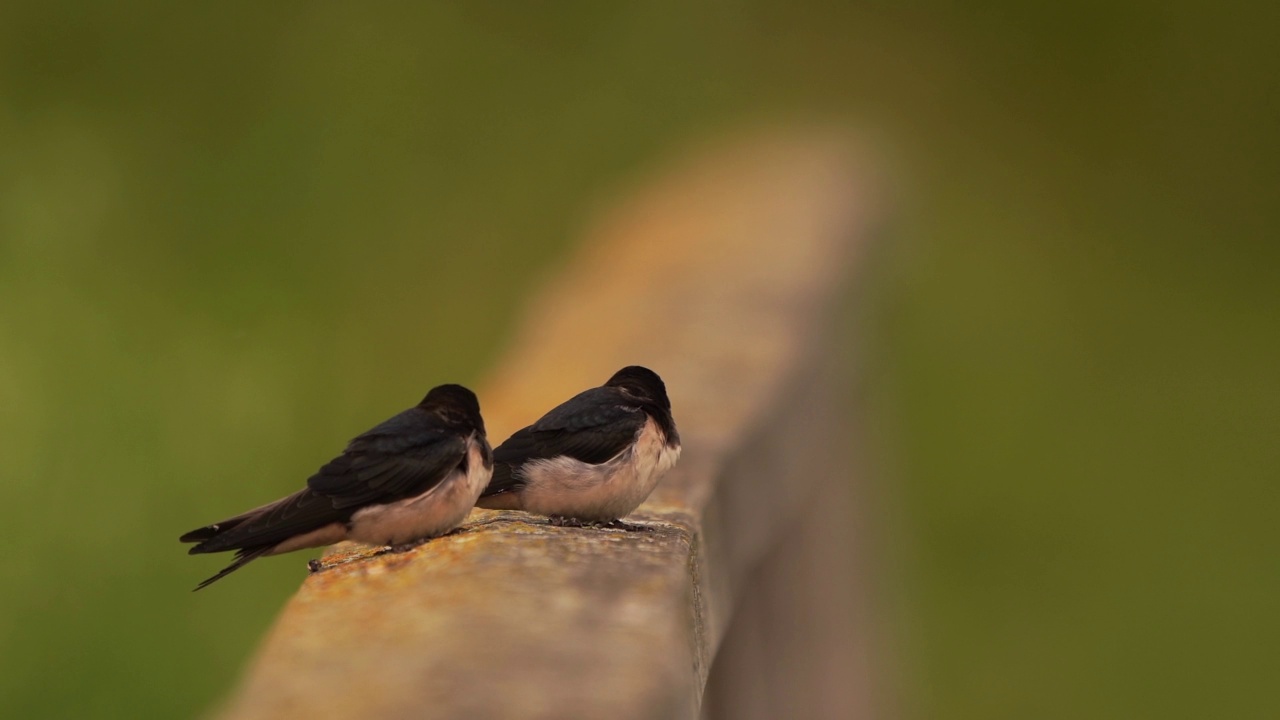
(592, 459)
(413, 477)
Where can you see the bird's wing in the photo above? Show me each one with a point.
(592, 427)
(298, 513)
(403, 457)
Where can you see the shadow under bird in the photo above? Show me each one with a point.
(592, 459)
(412, 478)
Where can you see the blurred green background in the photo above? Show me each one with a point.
(233, 235)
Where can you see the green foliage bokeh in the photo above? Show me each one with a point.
(233, 235)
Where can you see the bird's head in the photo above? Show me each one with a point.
(642, 384)
(454, 404)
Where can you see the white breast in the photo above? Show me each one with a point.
(608, 491)
(435, 512)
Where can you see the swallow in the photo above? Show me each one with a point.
(593, 459)
(412, 478)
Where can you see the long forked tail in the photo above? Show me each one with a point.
(211, 531)
(243, 557)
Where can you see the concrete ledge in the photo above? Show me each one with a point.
(720, 274)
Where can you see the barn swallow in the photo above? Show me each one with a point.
(412, 478)
(593, 459)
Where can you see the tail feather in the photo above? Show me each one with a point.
(243, 557)
(269, 525)
(208, 532)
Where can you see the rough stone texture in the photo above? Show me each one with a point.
(719, 274)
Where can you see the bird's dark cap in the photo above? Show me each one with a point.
(641, 382)
(454, 402)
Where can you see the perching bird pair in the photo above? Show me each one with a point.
(591, 460)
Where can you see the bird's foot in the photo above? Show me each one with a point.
(406, 547)
(629, 527)
(562, 521)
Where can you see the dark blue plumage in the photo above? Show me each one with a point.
(400, 459)
(583, 458)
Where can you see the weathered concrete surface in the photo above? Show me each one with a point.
(719, 275)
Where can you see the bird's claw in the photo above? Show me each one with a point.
(629, 527)
(561, 521)
(406, 547)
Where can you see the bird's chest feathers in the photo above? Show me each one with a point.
(432, 513)
(610, 490)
